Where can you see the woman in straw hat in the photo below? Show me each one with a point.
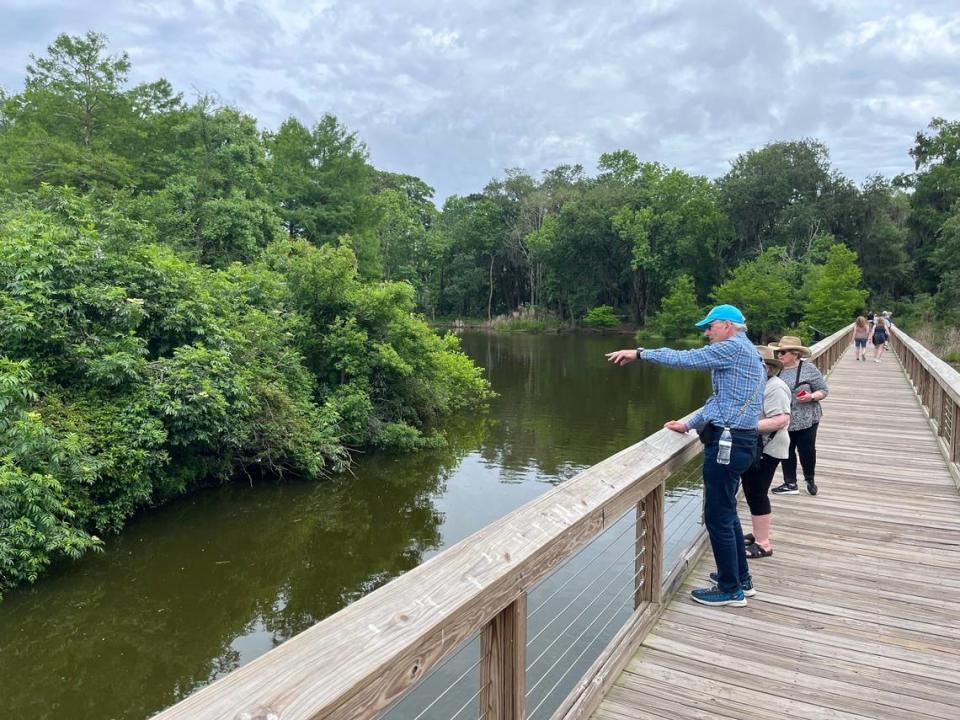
(808, 388)
(776, 443)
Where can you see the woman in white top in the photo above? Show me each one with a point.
(776, 443)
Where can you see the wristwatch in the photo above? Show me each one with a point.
(639, 350)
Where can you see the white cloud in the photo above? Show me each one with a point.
(457, 92)
(443, 42)
(908, 38)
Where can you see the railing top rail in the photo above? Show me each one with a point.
(819, 348)
(364, 657)
(946, 376)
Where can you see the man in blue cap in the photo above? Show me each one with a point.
(739, 377)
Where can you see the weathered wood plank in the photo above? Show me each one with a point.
(503, 663)
(651, 542)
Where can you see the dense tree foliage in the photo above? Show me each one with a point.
(185, 297)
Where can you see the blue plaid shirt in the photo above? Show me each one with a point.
(738, 376)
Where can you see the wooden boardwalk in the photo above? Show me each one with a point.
(857, 614)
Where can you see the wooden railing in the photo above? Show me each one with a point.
(938, 389)
(359, 661)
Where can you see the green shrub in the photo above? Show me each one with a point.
(402, 437)
(36, 518)
(601, 317)
(521, 325)
(648, 338)
(679, 311)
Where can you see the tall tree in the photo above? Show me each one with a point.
(679, 311)
(321, 181)
(762, 288)
(936, 189)
(835, 295)
(777, 196)
(217, 205)
(58, 130)
(881, 239)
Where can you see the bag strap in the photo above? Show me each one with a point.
(748, 402)
(796, 382)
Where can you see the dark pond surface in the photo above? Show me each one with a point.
(198, 588)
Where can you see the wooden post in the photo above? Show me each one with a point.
(503, 663)
(940, 400)
(651, 510)
(954, 442)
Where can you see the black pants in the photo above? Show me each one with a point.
(804, 444)
(756, 482)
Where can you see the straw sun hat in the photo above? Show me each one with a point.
(789, 342)
(769, 356)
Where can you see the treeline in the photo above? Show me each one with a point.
(643, 238)
(185, 299)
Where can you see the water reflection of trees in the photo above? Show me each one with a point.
(192, 591)
(562, 407)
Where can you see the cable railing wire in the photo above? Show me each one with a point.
(466, 704)
(688, 509)
(446, 661)
(596, 637)
(581, 570)
(577, 639)
(569, 604)
(448, 689)
(580, 614)
(693, 504)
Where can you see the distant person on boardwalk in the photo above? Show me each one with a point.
(878, 336)
(888, 320)
(861, 332)
(808, 388)
(776, 444)
(727, 425)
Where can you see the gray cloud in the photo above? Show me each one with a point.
(456, 92)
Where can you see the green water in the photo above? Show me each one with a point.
(196, 589)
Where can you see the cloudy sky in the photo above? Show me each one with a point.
(457, 91)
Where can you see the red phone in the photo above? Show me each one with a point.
(802, 393)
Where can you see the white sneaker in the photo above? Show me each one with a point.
(876, 360)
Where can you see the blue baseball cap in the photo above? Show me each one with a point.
(722, 312)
